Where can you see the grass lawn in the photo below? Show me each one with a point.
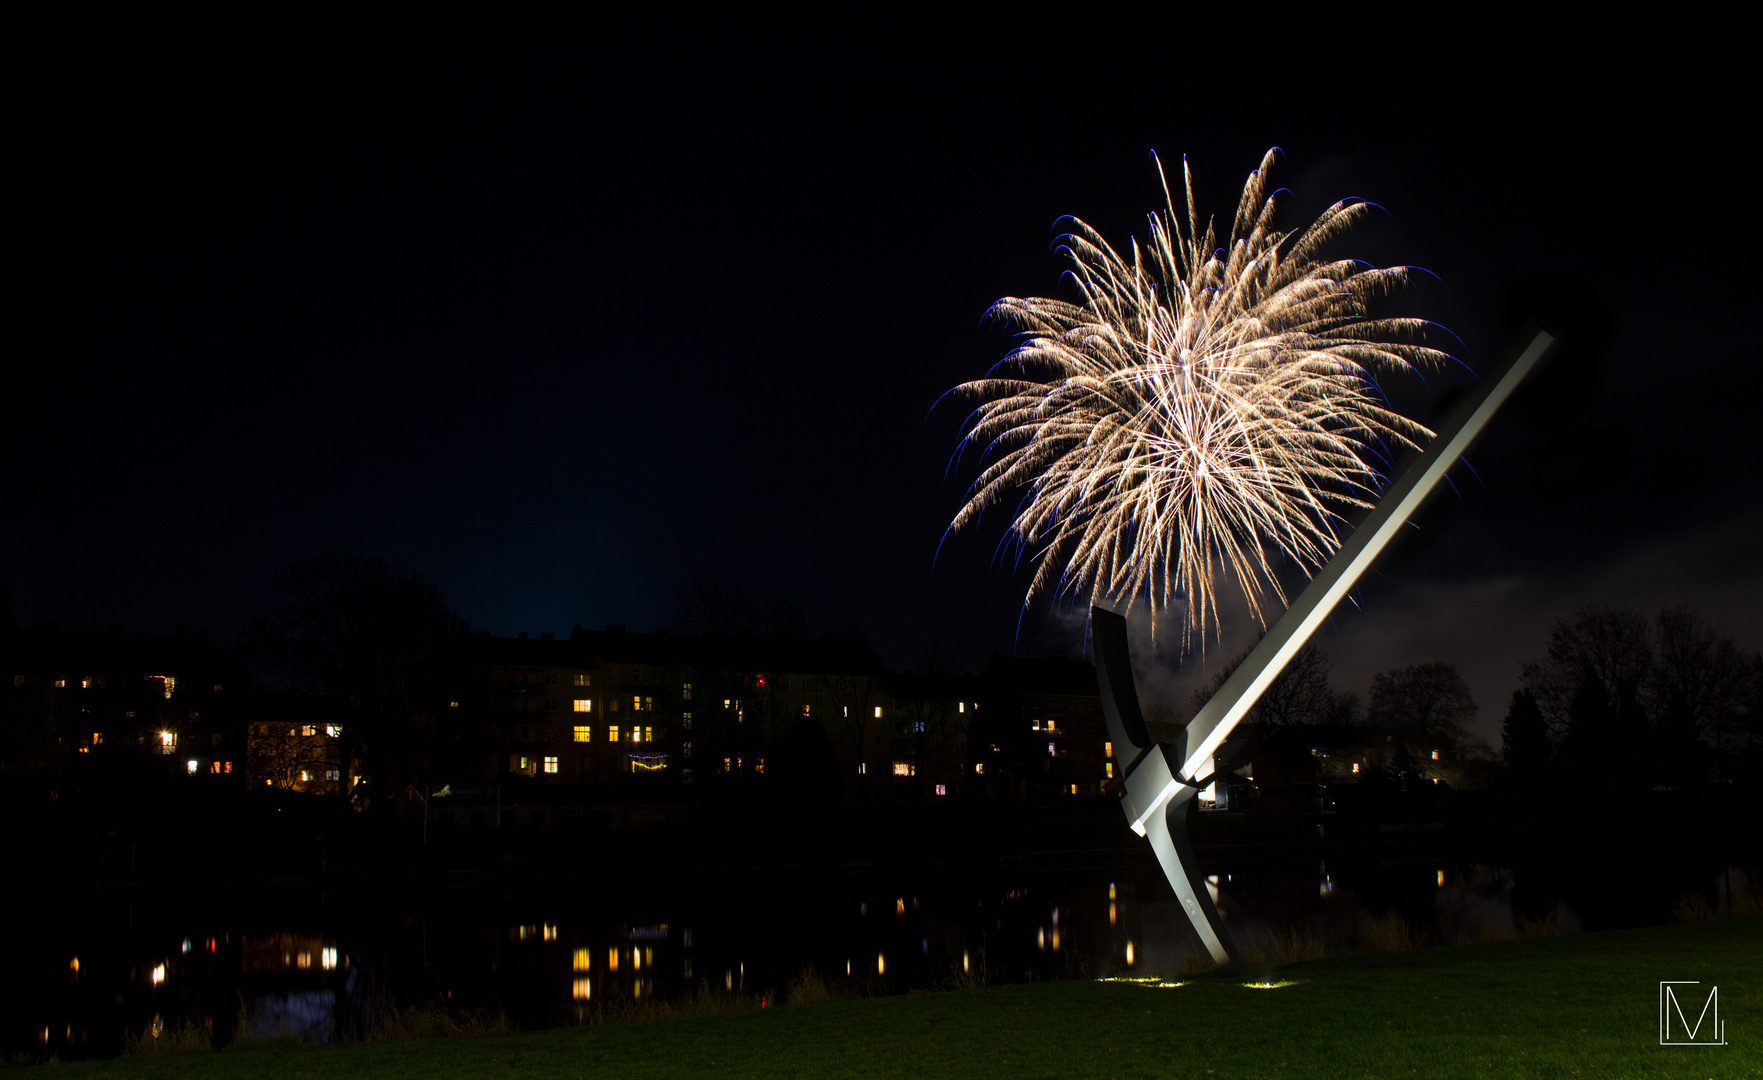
(1584, 1005)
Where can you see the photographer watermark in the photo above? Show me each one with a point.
(1675, 1027)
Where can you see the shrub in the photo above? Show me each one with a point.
(160, 1039)
(1690, 907)
(1388, 933)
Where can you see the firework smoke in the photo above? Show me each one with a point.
(1201, 411)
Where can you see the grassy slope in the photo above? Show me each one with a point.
(1582, 1005)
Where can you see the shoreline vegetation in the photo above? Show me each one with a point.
(1538, 1002)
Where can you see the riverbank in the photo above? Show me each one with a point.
(1580, 1005)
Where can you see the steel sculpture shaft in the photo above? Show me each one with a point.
(1160, 779)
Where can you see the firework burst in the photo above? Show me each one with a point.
(1201, 412)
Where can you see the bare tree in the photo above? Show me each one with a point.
(352, 628)
(291, 756)
(1302, 694)
(1682, 674)
(850, 696)
(1427, 706)
(1700, 676)
(1613, 644)
(717, 605)
(713, 605)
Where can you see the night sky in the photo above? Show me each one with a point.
(561, 314)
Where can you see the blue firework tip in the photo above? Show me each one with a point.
(1357, 201)
(1478, 482)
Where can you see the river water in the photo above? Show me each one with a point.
(319, 961)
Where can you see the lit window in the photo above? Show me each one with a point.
(309, 730)
(583, 989)
(612, 959)
(686, 691)
(304, 775)
(862, 768)
(584, 733)
(168, 741)
(612, 733)
(335, 731)
(1049, 727)
(214, 766)
(583, 704)
(1108, 768)
(686, 750)
(550, 764)
(333, 774)
(878, 712)
(582, 680)
(85, 684)
(1051, 751)
(170, 683)
(642, 704)
(902, 768)
(452, 704)
(1107, 749)
(648, 734)
(727, 764)
(328, 957)
(226, 766)
(979, 768)
(1435, 755)
(759, 767)
(806, 712)
(942, 790)
(583, 960)
(686, 720)
(192, 766)
(97, 738)
(1355, 766)
(61, 684)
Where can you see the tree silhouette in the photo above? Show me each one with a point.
(1614, 644)
(1524, 739)
(357, 631)
(1302, 694)
(1426, 706)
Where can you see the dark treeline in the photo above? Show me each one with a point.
(1621, 714)
(367, 691)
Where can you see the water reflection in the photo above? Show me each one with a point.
(326, 966)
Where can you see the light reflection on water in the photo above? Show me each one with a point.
(327, 966)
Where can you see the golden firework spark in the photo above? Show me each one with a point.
(1201, 411)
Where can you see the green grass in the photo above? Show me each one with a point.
(1584, 1005)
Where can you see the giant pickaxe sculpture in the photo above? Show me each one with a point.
(1158, 785)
